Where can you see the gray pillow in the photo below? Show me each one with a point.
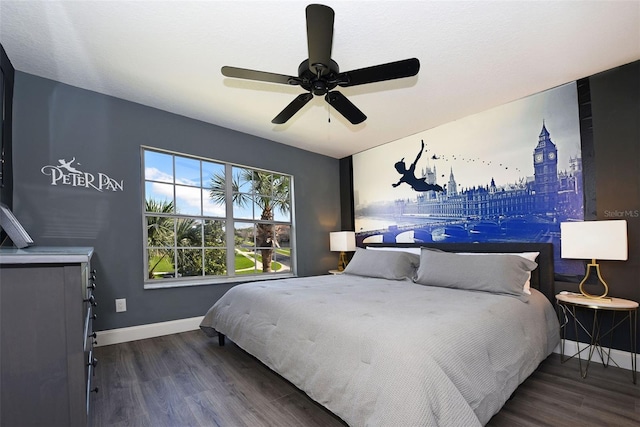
(392, 265)
(499, 274)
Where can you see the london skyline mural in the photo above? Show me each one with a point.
(512, 173)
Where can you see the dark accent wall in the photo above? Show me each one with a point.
(588, 152)
(615, 107)
(55, 121)
(611, 164)
(610, 132)
(346, 194)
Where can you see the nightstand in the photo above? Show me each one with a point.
(572, 304)
(336, 271)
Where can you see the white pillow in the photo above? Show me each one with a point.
(502, 274)
(393, 265)
(411, 250)
(531, 256)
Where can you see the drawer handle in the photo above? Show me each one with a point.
(92, 278)
(91, 300)
(93, 335)
(94, 390)
(94, 316)
(93, 363)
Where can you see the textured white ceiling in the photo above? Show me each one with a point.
(474, 55)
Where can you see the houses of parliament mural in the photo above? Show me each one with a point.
(529, 208)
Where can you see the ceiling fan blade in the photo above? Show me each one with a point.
(345, 107)
(263, 76)
(379, 73)
(292, 108)
(319, 37)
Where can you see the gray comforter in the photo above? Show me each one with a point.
(390, 353)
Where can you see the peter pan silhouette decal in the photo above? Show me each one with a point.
(409, 175)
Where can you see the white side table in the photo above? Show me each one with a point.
(571, 304)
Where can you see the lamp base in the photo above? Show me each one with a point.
(342, 261)
(592, 298)
(601, 281)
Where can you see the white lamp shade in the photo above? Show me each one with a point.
(594, 240)
(342, 241)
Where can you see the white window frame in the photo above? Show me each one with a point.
(231, 276)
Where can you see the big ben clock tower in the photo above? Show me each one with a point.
(545, 167)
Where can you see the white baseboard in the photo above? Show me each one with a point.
(619, 357)
(133, 333)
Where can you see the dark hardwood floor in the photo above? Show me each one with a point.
(188, 380)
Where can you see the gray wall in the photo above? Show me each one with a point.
(55, 121)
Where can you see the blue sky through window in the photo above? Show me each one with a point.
(192, 178)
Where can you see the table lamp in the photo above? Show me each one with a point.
(602, 240)
(343, 241)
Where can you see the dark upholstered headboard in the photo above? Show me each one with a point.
(542, 278)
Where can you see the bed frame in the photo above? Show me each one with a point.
(542, 278)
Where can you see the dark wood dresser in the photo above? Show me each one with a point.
(46, 336)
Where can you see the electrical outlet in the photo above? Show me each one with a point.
(121, 305)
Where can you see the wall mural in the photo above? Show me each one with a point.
(512, 173)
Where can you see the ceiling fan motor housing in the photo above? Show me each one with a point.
(318, 84)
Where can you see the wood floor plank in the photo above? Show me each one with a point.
(306, 412)
(203, 407)
(139, 421)
(186, 379)
(147, 362)
(118, 404)
(164, 405)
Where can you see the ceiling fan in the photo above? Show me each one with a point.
(319, 74)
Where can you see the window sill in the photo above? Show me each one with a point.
(180, 283)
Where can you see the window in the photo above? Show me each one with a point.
(207, 221)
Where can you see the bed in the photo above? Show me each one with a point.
(436, 335)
